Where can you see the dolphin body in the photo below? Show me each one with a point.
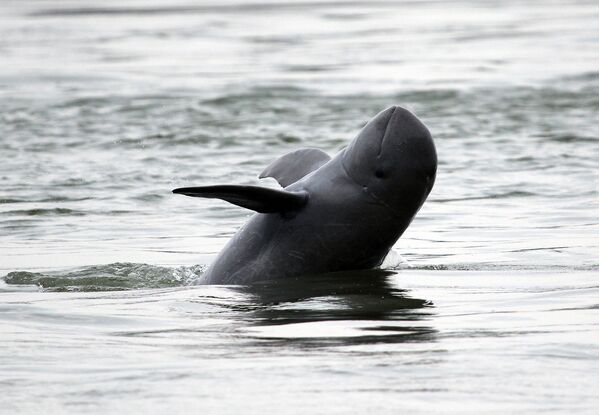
(333, 214)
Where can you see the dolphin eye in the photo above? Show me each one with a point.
(379, 174)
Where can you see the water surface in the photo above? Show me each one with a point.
(105, 107)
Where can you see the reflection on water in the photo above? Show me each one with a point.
(373, 308)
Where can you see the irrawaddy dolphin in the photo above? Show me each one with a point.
(333, 214)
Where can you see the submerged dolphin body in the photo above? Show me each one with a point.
(334, 214)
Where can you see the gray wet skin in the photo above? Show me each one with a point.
(337, 214)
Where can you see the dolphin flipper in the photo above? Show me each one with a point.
(260, 199)
(293, 166)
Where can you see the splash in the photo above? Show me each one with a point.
(394, 261)
(110, 277)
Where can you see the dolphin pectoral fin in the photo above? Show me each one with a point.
(293, 166)
(260, 199)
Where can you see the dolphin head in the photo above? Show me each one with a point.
(394, 159)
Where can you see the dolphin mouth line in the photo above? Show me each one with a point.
(393, 211)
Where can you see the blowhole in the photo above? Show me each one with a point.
(379, 174)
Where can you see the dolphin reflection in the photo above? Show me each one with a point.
(363, 306)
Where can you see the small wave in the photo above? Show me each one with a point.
(192, 9)
(110, 277)
(257, 93)
(309, 68)
(427, 95)
(573, 138)
(505, 195)
(49, 199)
(585, 76)
(45, 212)
(504, 267)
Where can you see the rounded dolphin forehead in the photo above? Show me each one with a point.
(383, 137)
(408, 140)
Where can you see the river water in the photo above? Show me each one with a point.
(490, 304)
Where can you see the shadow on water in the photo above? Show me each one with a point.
(357, 307)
